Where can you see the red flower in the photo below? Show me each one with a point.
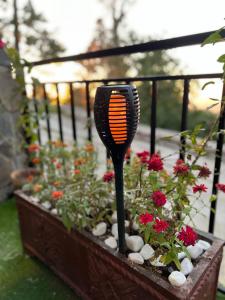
(33, 148)
(160, 225)
(145, 218)
(159, 198)
(155, 163)
(180, 168)
(57, 195)
(220, 187)
(204, 172)
(76, 171)
(2, 44)
(188, 236)
(58, 166)
(36, 160)
(108, 176)
(144, 156)
(199, 188)
(179, 162)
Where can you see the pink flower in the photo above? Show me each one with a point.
(188, 236)
(160, 225)
(159, 198)
(220, 187)
(199, 188)
(155, 163)
(2, 44)
(145, 218)
(180, 168)
(108, 176)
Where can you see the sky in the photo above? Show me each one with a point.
(73, 22)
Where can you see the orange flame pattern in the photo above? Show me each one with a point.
(117, 118)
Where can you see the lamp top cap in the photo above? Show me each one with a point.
(116, 86)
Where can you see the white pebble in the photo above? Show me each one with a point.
(135, 226)
(134, 243)
(99, 229)
(126, 235)
(181, 255)
(194, 251)
(114, 217)
(136, 258)
(34, 199)
(157, 263)
(186, 266)
(203, 244)
(47, 205)
(54, 211)
(127, 223)
(114, 229)
(147, 251)
(111, 242)
(177, 278)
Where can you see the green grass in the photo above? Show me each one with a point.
(23, 278)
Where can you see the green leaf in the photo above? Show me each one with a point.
(221, 59)
(213, 210)
(166, 244)
(214, 99)
(207, 83)
(213, 198)
(177, 263)
(213, 38)
(211, 106)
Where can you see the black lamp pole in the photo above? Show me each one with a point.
(118, 168)
(117, 112)
(16, 25)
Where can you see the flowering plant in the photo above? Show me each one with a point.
(68, 182)
(162, 199)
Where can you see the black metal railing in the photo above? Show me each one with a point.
(153, 96)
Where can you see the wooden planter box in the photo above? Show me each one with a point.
(95, 272)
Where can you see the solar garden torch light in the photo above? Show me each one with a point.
(117, 112)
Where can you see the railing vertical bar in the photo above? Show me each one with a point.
(184, 117)
(153, 116)
(218, 160)
(36, 113)
(73, 112)
(88, 108)
(59, 112)
(46, 106)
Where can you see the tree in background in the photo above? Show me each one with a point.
(26, 30)
(153, 63)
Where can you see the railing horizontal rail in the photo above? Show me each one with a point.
(182, 41)
(141, 78)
